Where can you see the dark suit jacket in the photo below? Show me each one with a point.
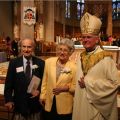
(16, 86)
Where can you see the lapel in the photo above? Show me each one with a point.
(33, 63)
(53, 70)
(20, 64)
(62, 75)
(79, 72)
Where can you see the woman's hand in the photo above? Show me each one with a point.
(81, 82)
(60, 89)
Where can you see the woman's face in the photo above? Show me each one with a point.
(63, 52)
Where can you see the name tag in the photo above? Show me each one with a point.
(19, 69)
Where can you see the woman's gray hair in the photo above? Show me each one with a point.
(68, 42)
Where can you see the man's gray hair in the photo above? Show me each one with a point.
(33, 42)
(68, 42)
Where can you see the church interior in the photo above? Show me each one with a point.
(47, 22)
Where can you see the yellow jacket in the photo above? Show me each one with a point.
(64, 101)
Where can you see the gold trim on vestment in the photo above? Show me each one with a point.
(89, 60)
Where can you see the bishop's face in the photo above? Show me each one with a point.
(89, 41)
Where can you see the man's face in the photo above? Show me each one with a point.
(27, 47)
(89, 41)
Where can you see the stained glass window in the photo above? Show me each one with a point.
(80, 8)
(67, 12)
(116, 9)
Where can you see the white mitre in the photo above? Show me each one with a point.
(90, 24)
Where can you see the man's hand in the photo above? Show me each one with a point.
(9, 105)
(35, 93)
(81, 82)
(42, 101)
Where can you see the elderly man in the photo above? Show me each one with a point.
(97, 77)
(21, 72)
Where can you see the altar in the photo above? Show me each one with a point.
(115, 50)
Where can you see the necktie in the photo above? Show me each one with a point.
(28, 71)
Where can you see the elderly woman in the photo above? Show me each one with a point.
(58, 83)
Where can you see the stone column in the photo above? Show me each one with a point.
(62, 16)
(64, 26)
(74, 17)
(49, 21)
(26, 30)
(109, 20)
(17, 18)
(39, 27)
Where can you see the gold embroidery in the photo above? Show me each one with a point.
(88, 61)
(86, 23)
(90, 24)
